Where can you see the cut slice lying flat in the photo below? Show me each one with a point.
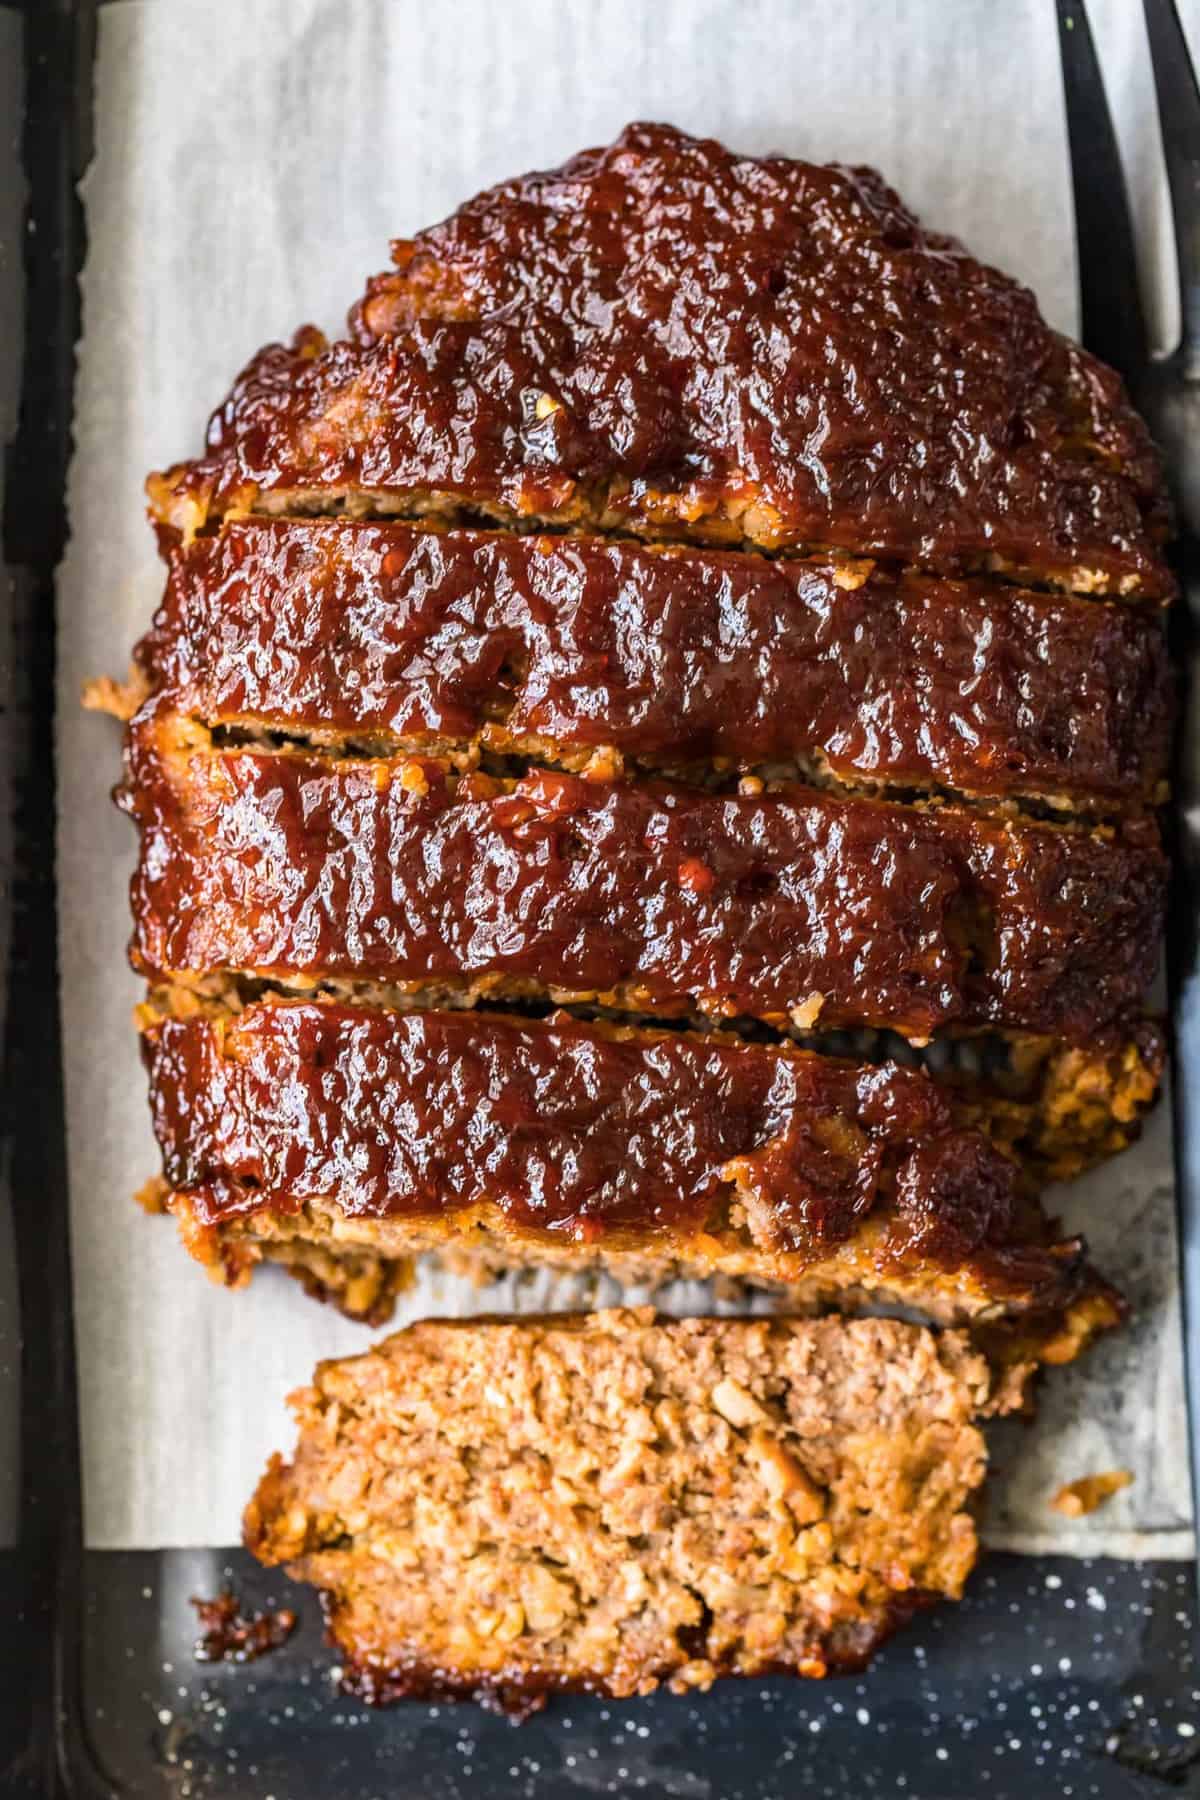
(406, 638)
(671, 340)
(503, 1510)
(789, 906)
(344, 1140)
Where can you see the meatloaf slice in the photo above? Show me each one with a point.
(343, 1141)
(502, 1510)
(791, 905)
(571, 649)
(665, 338)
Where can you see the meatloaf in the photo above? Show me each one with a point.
(385, 636)
(343, 1141)
(506, 1510)
(790, 905)
(665, 338)
(695, 595)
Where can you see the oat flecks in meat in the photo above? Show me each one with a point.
(610, 1502)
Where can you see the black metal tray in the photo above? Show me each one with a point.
(1054, 1677)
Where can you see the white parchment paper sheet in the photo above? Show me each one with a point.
(252, 161)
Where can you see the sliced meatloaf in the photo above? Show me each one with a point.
(344, 1141)
(695, 595)
(790, 905)
(505, 1510)
(576, 649)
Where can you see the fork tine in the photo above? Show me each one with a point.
(1112, 323)
(1179, 119)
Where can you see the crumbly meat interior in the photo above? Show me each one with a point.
(612, 1502)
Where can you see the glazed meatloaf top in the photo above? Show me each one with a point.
(666, 338)
(502, 1510)
(567, 648)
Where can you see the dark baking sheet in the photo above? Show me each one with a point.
(1055, 1676)
(1026, 1689)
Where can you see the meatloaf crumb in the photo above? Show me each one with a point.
(608, 1502)
(1084, 1495)
(227, 1634)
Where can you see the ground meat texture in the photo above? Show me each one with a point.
(503, 1510)
(656, 898)
(666, 338)
(307, 1131)
(563, 647)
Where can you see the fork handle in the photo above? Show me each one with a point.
(1179, 119)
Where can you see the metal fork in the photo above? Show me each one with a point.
(1167, 390)
(1113, 324)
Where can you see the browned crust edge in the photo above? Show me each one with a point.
(519, 1694)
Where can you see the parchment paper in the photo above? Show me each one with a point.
(252, 162)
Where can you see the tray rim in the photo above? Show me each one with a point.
(57, 143)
